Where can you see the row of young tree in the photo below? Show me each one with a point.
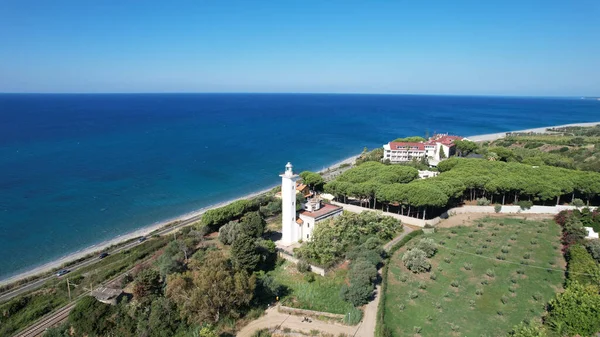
(377, 185)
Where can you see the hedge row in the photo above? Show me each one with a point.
(380, 328)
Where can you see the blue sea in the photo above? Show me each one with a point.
(77, 170)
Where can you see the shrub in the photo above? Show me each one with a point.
(422, 285)
(526, 256)
(526, 329)
(504, 299)
(468, 266)
(303, 266)
(483, 202)
(417, 329)
(309, 277)
(581, 266)
(262, 333)
(513, 237)
(447, 260)
(357, 293)
(416, 260)
(577, 203)
(521, 271)
(593, 247)
(428, 246)
(525, 204)
(433, 276)
(490, 273)
(537, 296)
(479, 251)
(353, 317)
(479, 292)
(454, 284)
(484, 282)
(504, 249)
(412, 295)
(497, 208)
(575, 311)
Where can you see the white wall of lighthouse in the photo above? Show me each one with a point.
(290, 230)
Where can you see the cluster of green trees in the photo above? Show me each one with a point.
(215, 218)
(362, 182)
(331, 242)
(461, 179)
(365, 259)
(500, 179)
(314, 180)
(375, 155)
(191, 283)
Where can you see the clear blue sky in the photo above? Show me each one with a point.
(549, 48)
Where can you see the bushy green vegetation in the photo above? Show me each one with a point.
(194, 286)
(462, 179)
(332, 241)
(373, 156)
(581, 266)
(475, 294)
(573, 148)
(575, 311)
(313, 180)
(215, 218)
(25, 309)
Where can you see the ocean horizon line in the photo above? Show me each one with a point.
(303, 93)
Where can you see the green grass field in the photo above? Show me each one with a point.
(463, 300)
(321, 295)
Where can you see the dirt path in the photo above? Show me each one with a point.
(275, 319)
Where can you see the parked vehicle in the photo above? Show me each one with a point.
(103, 255)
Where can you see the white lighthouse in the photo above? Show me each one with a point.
(290, 230)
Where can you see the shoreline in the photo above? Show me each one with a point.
(143, 231)
(495, 136)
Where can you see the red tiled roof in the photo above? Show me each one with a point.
(324, 210)
(403, 145)
(448, 140)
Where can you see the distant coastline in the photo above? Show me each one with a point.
(496, 136)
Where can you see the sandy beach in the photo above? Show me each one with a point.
(142, 232)
(495, 136)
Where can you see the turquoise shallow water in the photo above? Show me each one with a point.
(76, 170)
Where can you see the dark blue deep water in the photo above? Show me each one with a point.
(76, 170)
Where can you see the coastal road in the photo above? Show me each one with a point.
(38, 283)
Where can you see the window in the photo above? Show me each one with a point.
(307, 225)
(307, 236)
